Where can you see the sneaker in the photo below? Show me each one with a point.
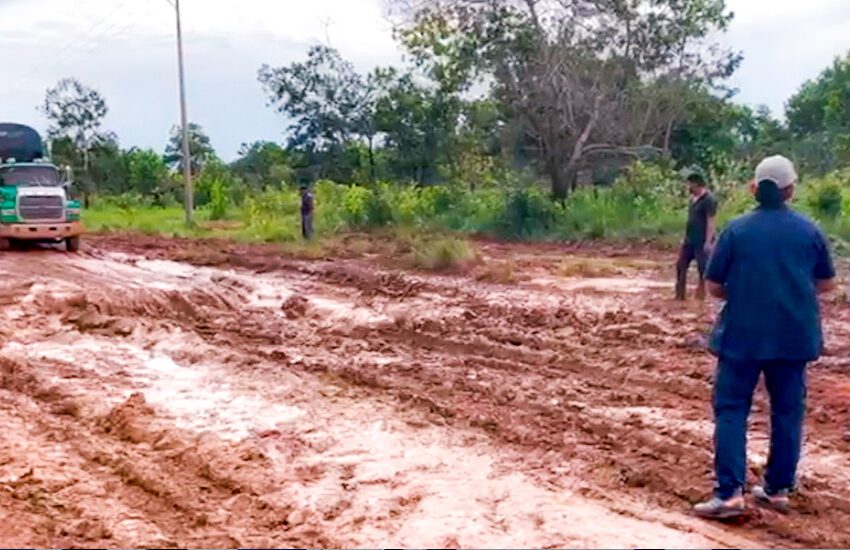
(718, 508)
(777, 501)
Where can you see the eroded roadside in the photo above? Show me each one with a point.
(290, 403)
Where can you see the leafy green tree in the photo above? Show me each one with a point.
(263, 162)
(819, 117)
(75, 112)
(714, 131)
(415, 122)
(586, 81)
(200, 148)
(328, 103)
(107, 172)
(148, 174)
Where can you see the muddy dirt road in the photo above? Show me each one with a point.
(161, 393)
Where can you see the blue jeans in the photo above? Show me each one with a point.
(734, 386)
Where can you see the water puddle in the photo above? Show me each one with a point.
(624, 285)
(198, 398)
(430, 489)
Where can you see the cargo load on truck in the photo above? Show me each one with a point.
(19, 143)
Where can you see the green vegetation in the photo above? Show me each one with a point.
(647, 202)
(574, 136)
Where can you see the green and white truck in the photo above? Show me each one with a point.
(34, 194)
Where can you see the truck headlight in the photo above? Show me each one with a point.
(8, 213)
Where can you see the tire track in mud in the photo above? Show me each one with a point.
(549, 378)
(618, 360)
(121, 479)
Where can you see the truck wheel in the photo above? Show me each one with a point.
(72, 244)
(16, 245)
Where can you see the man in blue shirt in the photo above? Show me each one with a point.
(769, 266)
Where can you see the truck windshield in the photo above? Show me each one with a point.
(36, 176)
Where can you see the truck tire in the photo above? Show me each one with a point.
(72, 244)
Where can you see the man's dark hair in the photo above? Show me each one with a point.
(769, 195)
(697, 178)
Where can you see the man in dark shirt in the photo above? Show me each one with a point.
(769, 266)
(699, 235)
(306, 213)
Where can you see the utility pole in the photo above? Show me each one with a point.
(187, 158)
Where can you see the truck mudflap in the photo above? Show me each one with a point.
(41, 231)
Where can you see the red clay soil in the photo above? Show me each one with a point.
(205, 393)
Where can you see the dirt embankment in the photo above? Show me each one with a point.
(209, 394)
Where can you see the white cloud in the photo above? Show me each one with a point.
(784, 44)
(126, 49)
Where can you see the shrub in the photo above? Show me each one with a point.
(355, 206)
(443, 254)
(219, 199)
(528, 212)
(825, 198)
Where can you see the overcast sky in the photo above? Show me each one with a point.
(126, 49)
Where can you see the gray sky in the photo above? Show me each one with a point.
(126, 49)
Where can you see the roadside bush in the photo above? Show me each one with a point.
(443, 254)
(219, 200)
(825, 198)
(652, 181)
(355, 206)
(272, 216)
(528, 212)
(378, 210)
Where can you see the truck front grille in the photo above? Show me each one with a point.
(36, 208)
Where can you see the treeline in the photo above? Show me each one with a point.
(498, 93)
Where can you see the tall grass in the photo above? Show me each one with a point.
(648, 202)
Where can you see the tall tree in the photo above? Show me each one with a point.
(819, 117)
(263, 162)
(75, 111)
(328, 102)
(147, 172)
(586, 79)
(418, 124)
(200, 148)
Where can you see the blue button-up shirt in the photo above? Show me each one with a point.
(770, 261)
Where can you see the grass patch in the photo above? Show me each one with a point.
(444, 254)
(499, 272)
(601, 267)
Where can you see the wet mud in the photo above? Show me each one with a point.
(167, 393)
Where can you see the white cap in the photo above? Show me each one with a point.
(777, 169)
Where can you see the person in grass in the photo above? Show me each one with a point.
(699, 234)
(769, 266)
(306, 212)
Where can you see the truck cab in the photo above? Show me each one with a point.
(34, 194)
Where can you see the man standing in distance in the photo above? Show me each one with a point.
(769, 266)
(306, 212)
(699, 235)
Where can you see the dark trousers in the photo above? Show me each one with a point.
(307, 226)
(688, 254)
(734, 385)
